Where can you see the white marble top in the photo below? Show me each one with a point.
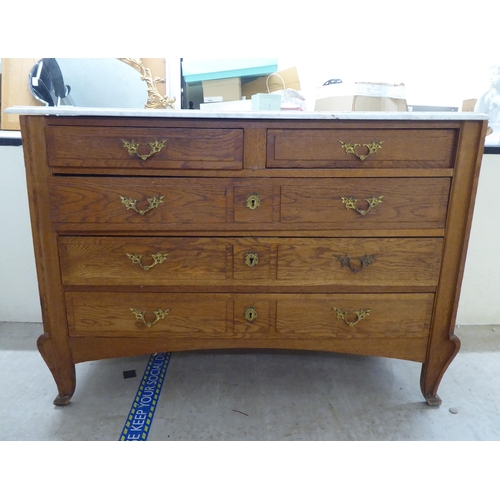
(298, 115)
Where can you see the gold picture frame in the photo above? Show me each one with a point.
(155, 98)
(15, 90)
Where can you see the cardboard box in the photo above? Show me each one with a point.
(361, 97)
(469, 104)
(216, 69)
(258, 86)
(266, 102)
(226, 89)
(244, 105)
(360, 103)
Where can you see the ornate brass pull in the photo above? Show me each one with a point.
(133, 148)
(158, 258)
(131, 204)
(360, 315)
(251, 259)
(350, 148)
(140, 316)
(253, 201)
(346, 261)
(250, 313)
(351, 203)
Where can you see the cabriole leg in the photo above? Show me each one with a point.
(434, 368)
(58, 359)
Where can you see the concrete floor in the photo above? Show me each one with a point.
(255, 395)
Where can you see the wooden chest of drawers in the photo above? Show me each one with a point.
(179, 231)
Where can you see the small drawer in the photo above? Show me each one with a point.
(353, 262)
(361, 148)
(157, 148)
(355, 316)
(367, 203)
(147, 314)
(101, 261)
(138, 202)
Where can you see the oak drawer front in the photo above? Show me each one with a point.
(147, 314)
(138, 201)
(351, 148)
(361, 261)
(367, 203)
(362, 203)
(350, 262)
(142, 261)
(353, 316)
(163, 148)
(279, 316)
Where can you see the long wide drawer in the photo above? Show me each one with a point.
(135, 147)
(101, 261)
(364, 203)
(294, 316)
(360, 148)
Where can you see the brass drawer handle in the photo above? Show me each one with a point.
(251, 259)
(250, 313)
(131, 204)
(158, 258)
(360, 315)
(352, 203)
(133, 148)
(346, 261)
(350, 148)
(140, 316)
(253, 201)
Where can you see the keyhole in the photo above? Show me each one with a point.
(251, 259)
(250, 314)
(253, 201)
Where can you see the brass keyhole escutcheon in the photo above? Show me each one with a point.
(253, 201)
(250, 313)
(251, 259)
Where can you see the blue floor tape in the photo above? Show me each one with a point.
(140, 417)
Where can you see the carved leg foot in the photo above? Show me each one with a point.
(58, 358)
(62, 400)
(435, 366)
(433, 400)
